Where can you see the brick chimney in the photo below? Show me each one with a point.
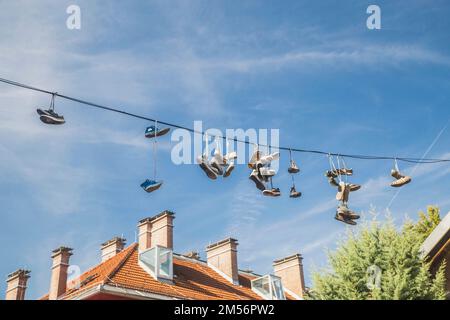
(112, 247)
(157, 230)
(290, 270)
(60, 265)
(222, 257)
(17, 284)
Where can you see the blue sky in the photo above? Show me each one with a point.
(310, 68)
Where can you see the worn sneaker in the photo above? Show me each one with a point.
(50, 117)
(294, 193)
(342, 193)
(266, 172)
(229, 157)
(269, 158)
(274, 192)
(345, 220)
(257, 179)
(229, 169)
(151, 185)
(401, 180)
(344, 211)
(214, 163)
(203, 163)
(152, 132)
(354, 187)
(333, 182)
(255, 157)
(293, 168)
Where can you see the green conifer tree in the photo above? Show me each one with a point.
(383, 263)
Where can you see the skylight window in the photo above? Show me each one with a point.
(269, 287)
(158, 262)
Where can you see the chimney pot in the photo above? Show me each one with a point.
(17, 284)
(112, 247)
(60, 264)
(222, 256)
(290, 270)
(157, 230)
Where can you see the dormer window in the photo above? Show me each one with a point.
(158, 262)
(269, 287)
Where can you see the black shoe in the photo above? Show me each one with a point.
(50, 117)
(294, 193)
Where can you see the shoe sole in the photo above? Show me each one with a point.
(346, 221)
(209, 173)
(258, 183)
(51, 120)
(290, 170)
(153, 188)
(159, 134)
(228, 171)
(295, 195)
(270, 193)
(401, 182)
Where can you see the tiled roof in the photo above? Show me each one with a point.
(193, 279)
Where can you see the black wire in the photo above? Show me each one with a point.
(95, 105)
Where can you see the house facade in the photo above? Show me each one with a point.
(436, 249)
(149, 269)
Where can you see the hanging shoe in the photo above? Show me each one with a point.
(229, 157)
(345, 220)
(265, 160)
(151, 185)
(331, 174)
(229, 169)
(266, 172)
(203, 163)
(257, 179)
(342, 192)
(274, 192)
(293, 168)
(333, 182)
(354, 187)
(255, 157)
(345, 212)
(50, 117)
(217, 166)
(294, 193)
(401, 180)
(152, 132)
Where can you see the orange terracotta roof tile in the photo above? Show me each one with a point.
(193, 279)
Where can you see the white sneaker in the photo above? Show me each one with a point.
(267, 172)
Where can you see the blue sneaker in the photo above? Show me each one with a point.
(151, 185)
(152, 132)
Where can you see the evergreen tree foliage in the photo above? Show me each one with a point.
(383, 263)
